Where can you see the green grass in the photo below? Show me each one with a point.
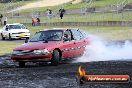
(7, 46)
(94, 3)
(98, 3)
(110, 33)
(5, 6)
(92, 17)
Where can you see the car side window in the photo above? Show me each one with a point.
(36, 37)
(81, 34)
(22, 26)
(6, 28)
(77, 35)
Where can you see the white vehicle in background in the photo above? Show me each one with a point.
(14, 31)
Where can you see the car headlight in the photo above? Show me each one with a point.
(44, 51)
(15, 52)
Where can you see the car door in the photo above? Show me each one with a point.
(80, 41)
(68, 49)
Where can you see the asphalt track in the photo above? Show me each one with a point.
(43, 75)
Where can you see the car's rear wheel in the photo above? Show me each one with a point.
(27, 38)
(10, 37)
(55, 58)
(3, 38)
(21, 64)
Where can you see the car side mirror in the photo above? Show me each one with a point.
(26, 40)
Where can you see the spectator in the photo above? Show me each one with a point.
(38, 21)
(62, 11)
(34, 21)
(5, 20)
(1, 16)
(49, 13)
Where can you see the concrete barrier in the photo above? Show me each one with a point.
(98, 23)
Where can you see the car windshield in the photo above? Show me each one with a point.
(51, 35)
(16, 27)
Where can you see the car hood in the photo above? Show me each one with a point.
(38, 45)
(18, 30)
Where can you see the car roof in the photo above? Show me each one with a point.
(62, 29)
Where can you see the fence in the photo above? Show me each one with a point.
(97, 23)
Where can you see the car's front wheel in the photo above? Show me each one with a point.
(3, 38)
(21, 64)
(55, 57)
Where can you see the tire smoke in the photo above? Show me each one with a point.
(102, 50)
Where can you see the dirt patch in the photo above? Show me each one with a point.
(62, 76)
(43, 3)
(76, 1)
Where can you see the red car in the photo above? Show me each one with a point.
(51, 45)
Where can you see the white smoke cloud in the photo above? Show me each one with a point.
(102, 50)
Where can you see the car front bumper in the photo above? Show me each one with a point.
(32, 57)
(22, 35)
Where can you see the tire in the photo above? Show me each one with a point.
(21, 64)
(3, 38)
(55, 58)
(10, 37)
(27, 38)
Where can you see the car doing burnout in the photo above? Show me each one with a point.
(51, 45)
(14, 31)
